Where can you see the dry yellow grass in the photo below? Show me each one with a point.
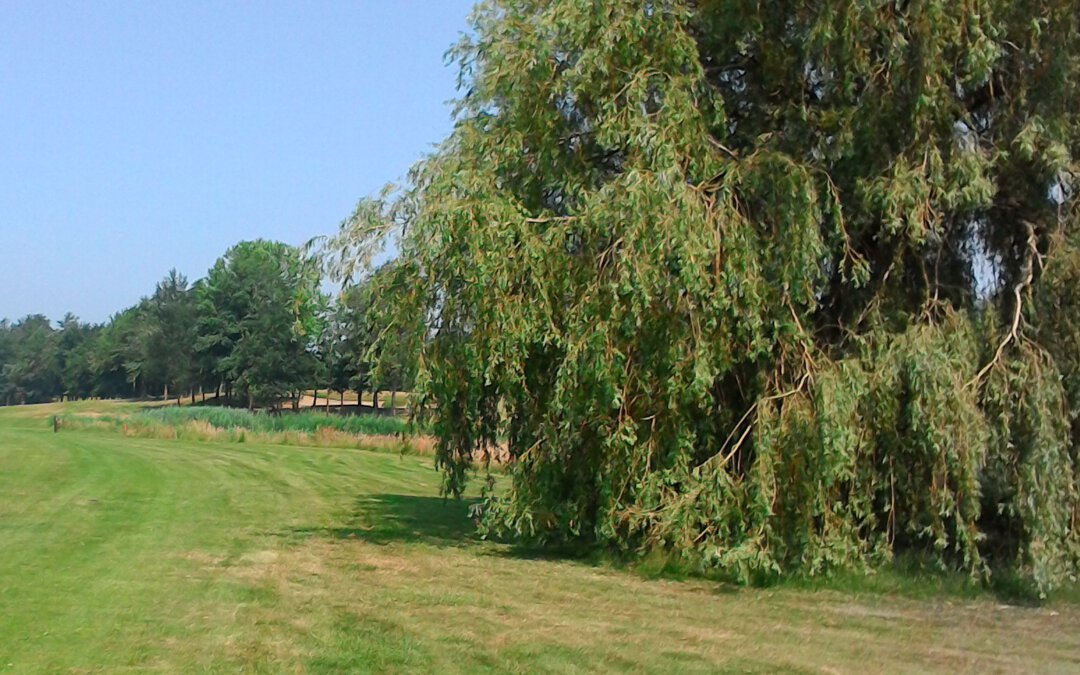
(507, 610)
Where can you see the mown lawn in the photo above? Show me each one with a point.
(127, 554)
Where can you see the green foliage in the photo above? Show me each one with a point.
(308, 422)
(258, 324)
(770, 285)
(259, 319)
(30, 366)
(172, 318)
(373, 351)
(120, 354)
(77, 342)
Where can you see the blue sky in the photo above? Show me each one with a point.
(140, 136)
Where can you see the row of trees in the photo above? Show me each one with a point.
(257, 330)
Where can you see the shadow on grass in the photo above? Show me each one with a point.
(437, 521)
(396, 518)
(388, 518)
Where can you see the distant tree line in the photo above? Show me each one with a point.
(256, 331)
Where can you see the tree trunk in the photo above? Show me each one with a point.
(251, 401)
(375, 399)
(393, 400)
(327, 400)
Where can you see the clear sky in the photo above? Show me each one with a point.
(140, 136)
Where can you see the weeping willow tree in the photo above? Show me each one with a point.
(774, 286)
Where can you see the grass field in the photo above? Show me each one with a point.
(126, 554)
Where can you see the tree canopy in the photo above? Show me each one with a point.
(777, 287)
(31, 368)
(257, 324)
(261, 309)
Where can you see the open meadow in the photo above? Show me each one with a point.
(128, 554)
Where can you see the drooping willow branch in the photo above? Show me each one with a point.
(1028, 275)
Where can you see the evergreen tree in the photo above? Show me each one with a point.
(259, 310)
(31, 373)
(75, 343)
(5, 358)
(172, 334)
(375, 351)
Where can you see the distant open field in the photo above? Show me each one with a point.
(128, 554)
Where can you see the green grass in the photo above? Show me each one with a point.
(138, 554)
(306, 422)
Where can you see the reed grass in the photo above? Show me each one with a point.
(228, 425)
(307, 421)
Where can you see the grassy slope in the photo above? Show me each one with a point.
(132, 554)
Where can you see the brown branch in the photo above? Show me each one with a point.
(728, 151)
(1013, 334)
(749, 427)
(806, 350)
(550, 219)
